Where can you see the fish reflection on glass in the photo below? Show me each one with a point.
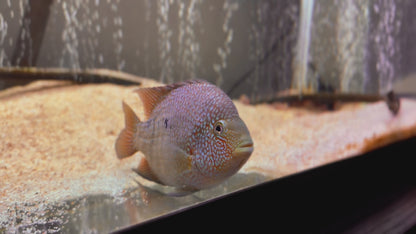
(193, 137)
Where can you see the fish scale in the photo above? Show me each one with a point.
(193, 137)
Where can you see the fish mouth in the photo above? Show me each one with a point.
(246, 145)
(244, 149)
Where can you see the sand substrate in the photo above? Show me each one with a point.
(57, 140)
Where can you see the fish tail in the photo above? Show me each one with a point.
(125, 144)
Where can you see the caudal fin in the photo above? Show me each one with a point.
(125, 144)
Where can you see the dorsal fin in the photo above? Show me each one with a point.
(151, 97)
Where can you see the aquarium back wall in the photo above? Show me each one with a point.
(167, 40)
(243, 46)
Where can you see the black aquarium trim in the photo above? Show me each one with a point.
(351, 194)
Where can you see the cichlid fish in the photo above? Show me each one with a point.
(193, 137)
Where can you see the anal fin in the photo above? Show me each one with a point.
(146, 172)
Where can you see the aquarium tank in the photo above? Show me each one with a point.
(313, 81)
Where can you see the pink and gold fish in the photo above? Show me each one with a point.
(193, 137)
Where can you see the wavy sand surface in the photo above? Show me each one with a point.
(57, 139)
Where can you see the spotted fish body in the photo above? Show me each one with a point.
(193, 137)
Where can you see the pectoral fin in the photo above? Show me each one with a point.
(146, 172)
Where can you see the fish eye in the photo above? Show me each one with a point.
(219, 128)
